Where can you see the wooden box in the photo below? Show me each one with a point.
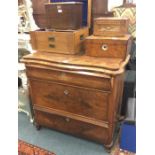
(39, 11)
(86, 11)
(110, 27)
(64, 15)
(108, 47)
(80, 95)
(67, 42)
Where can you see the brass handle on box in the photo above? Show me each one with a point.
(104, 47)
(66, 92)
(51, 46)
(51, 38)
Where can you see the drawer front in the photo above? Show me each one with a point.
(75, 100)
(69, 78)
(71, 126)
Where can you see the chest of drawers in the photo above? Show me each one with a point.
(79, 95)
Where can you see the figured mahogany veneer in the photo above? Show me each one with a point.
(108, 47)
(76, 94)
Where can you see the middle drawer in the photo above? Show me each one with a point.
(77, 100)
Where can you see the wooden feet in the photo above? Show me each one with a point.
(108, 148)
(38, 127)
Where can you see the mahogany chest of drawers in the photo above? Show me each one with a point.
(79, 95)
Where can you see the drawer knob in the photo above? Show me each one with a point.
(66, 92)
(51, 38)
(51, 46)
(104, 47)
(67, 119)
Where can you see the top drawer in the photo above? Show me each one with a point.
(88, 81)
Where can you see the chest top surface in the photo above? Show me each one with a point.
(75, 62)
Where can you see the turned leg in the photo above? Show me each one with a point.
(108, 147)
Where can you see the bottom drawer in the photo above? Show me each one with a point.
(71, 126)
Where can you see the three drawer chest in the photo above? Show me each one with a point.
(80, 95)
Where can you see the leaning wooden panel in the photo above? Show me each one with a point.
(66, 42)
(87, 108)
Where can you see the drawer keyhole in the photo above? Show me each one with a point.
(104, 47)
(67, 119)
(66, 92)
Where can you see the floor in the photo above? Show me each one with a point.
(59, 143)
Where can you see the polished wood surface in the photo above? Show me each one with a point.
(77, 61)
(77, 100)
(69, 13)
(67, 42)
(70, 78)
(72, 126)
(108, 47)
(76, 94)
(110, 27)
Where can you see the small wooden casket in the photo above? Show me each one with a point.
(108, 47)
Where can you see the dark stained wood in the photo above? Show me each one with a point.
(110, 27)
(76, 94)
(39, 12)
(64, 15)
(40, 20)
(67, 42)
(99, 7)
(108, 47)
(39, 6)
(72, 126)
